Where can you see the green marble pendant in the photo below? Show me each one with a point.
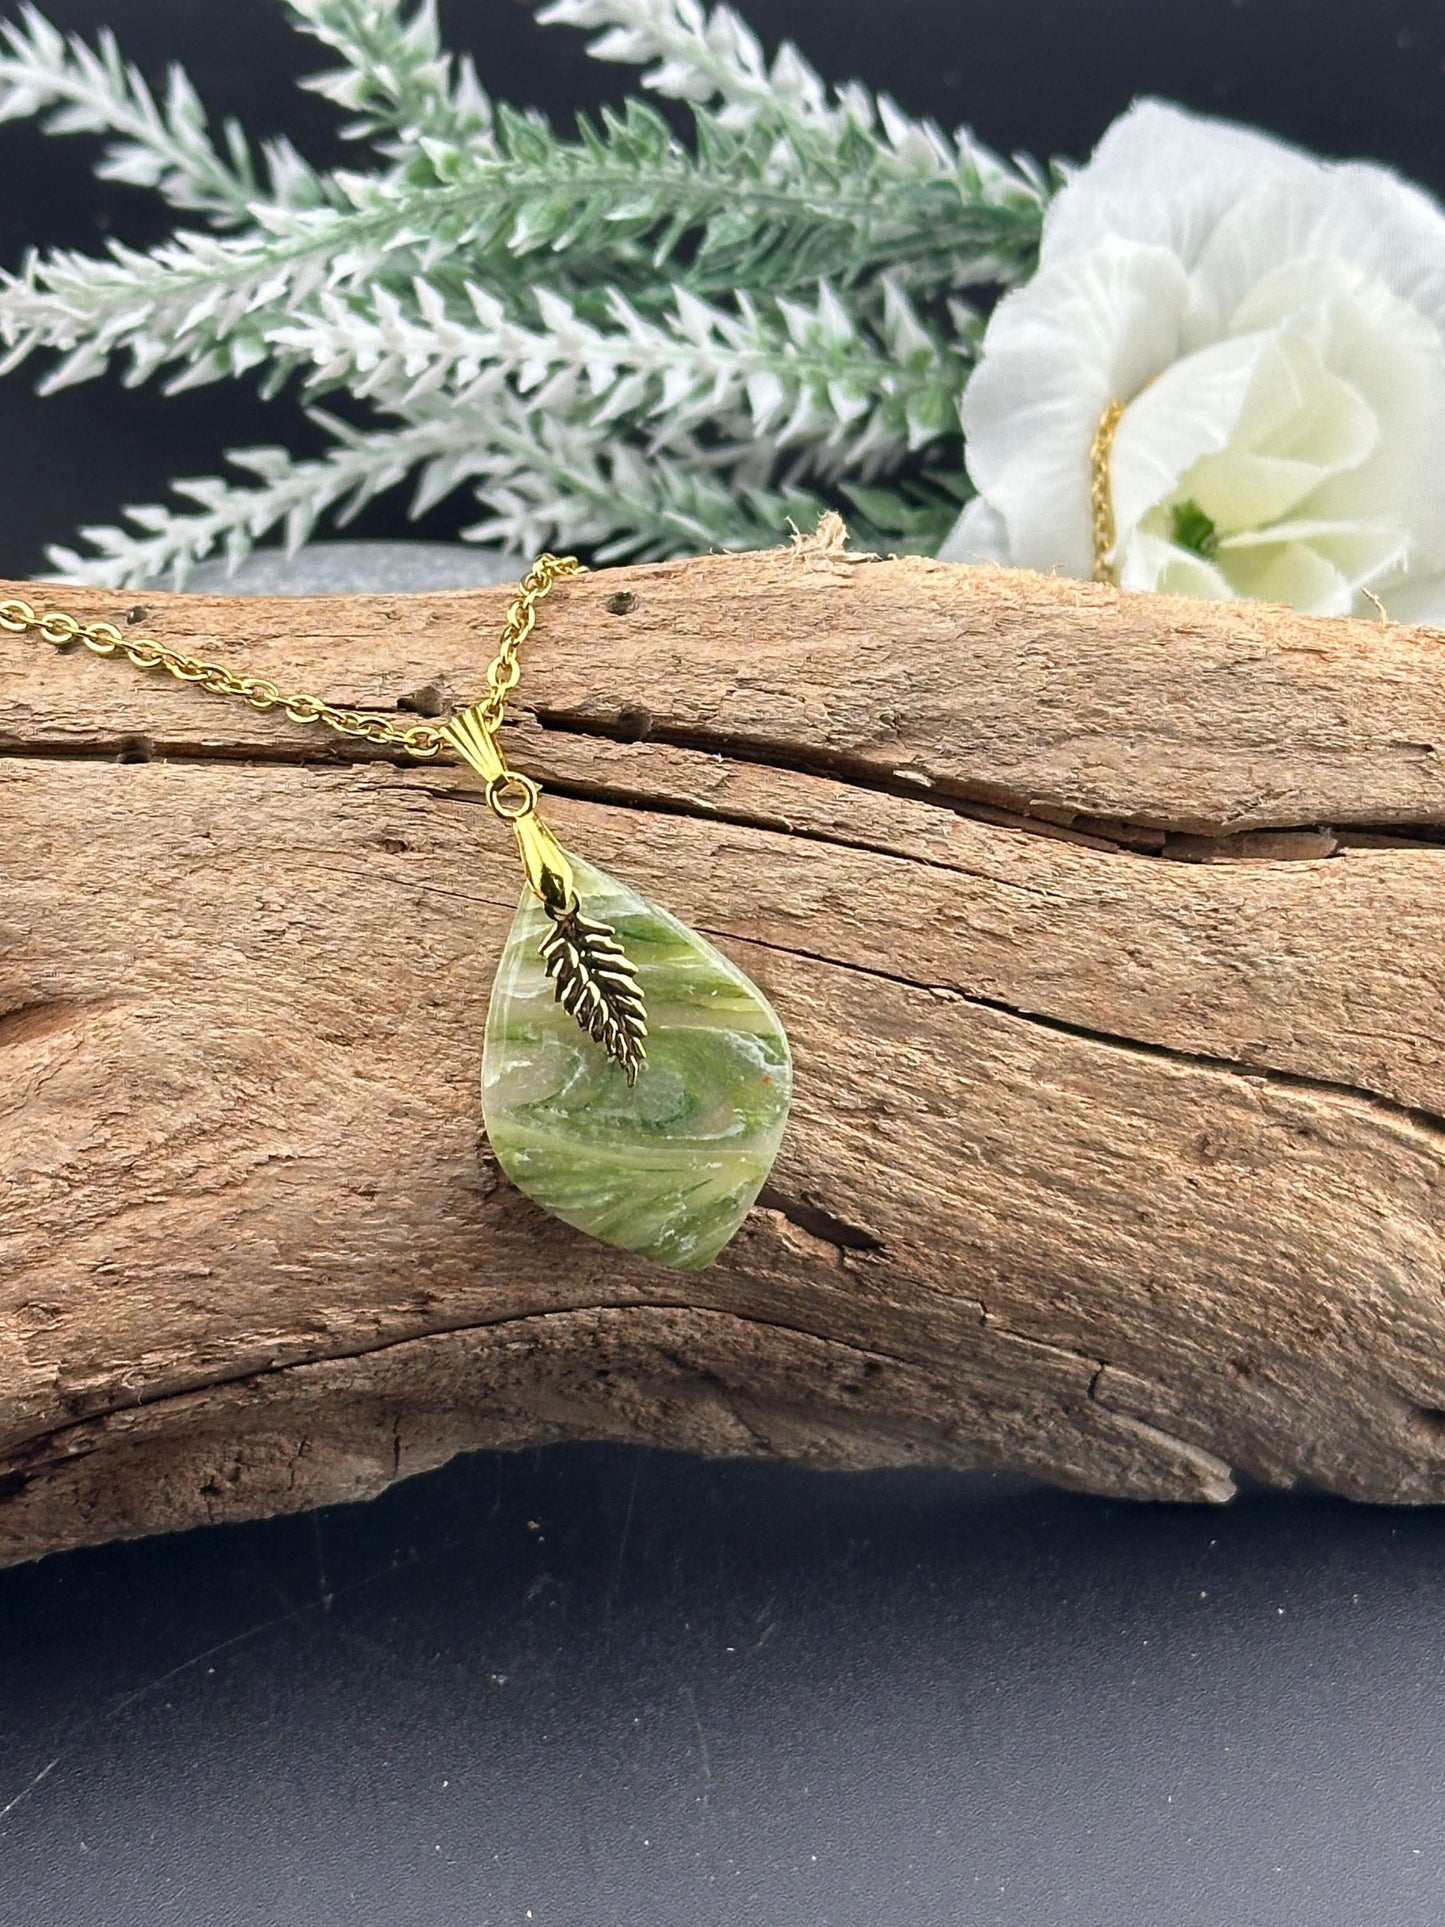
(662, 1157)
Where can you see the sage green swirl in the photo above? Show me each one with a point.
(670, 1166)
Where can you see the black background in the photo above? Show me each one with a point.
(599, 1688)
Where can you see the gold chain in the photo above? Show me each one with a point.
(422, 739)
(594, 978)
(1101, 491)
(521, 619)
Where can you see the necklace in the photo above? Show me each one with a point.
(635, 1083)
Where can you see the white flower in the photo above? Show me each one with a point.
(1272, 324)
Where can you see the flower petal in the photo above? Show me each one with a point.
(1300, 427)
(1095, 328)
(1296, 573)
(1395, 359)
(1275, 326)
(1361, 552)
(1147, 561)
(1165, 178)
(979, 535)
(1190, 411)
(1363, 215)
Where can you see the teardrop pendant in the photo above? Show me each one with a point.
(664, 1156)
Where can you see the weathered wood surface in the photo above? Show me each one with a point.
(1125, 1170)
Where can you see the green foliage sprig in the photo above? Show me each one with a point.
(620, 340)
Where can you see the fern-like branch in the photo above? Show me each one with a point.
(723, 328)
(855, 395)
(540, 476)
(705, 55)
(74, 88)
(396, 77)
(618, 204)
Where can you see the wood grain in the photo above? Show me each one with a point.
(1106, 929)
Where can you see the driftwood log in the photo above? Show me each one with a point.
(1109, 931)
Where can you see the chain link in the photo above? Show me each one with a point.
(1101, 492)
(258, 692)
(521, 618)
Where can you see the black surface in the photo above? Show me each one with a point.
(688, 1695)
(603, 1688)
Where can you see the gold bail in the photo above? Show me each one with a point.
(513, 797)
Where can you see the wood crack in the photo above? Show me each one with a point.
(980, 802)
(24, 1455)
(818, 1223)
(1153, 837)
(64, 1444)
(27, 1023)
(1430, 1123)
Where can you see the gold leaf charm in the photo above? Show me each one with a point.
(596, 983)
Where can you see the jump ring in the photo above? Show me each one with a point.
(502, 795)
